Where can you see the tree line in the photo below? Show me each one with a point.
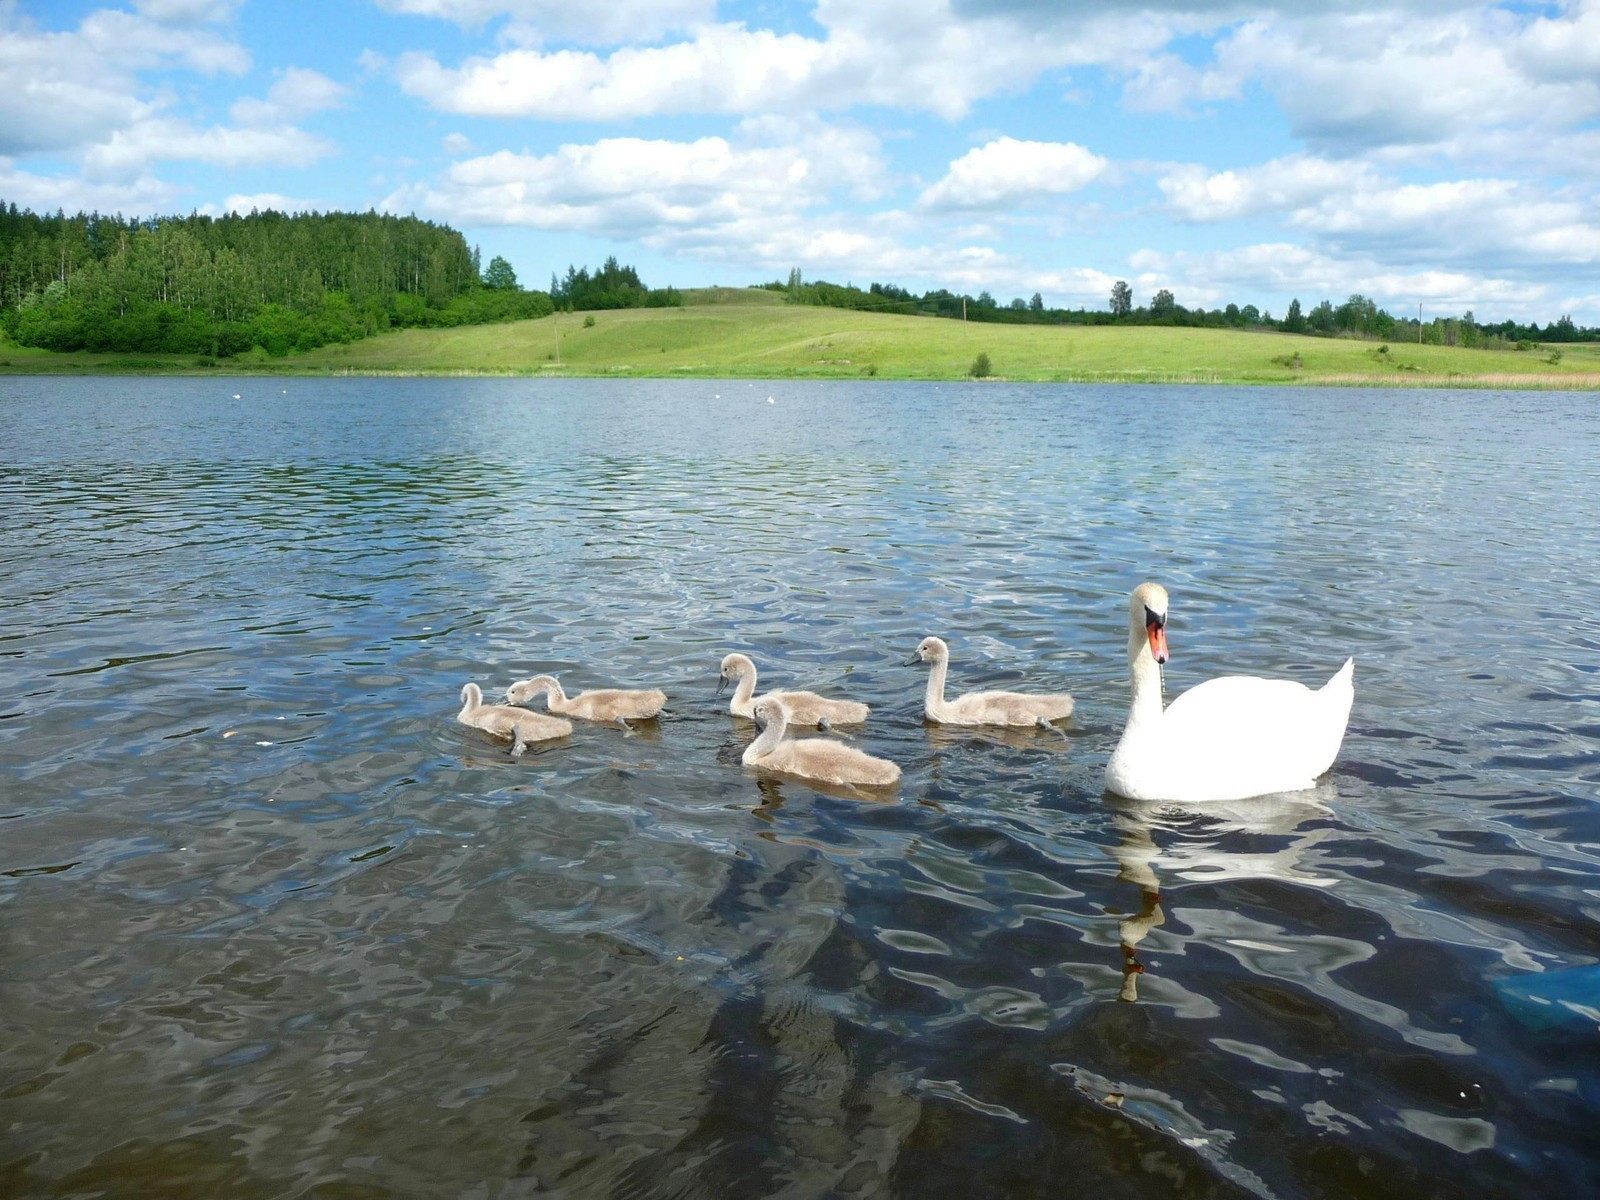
(1358, 316)
(219, 286)
(611, 286)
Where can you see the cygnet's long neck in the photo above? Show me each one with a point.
(471, 698)
(740, 704)
(1146, 676)
(556, 698)
(933, 701)
(767, 742)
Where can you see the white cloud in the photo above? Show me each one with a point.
(140, 195)
(298, 93)
(1385, 78)
(128, 152)
(1007, 173)
(186, 12)
(536, 21)
(260, 202)
(1292, 270)
(1195, 194)
(623, 187)
(62, 91)
(456, 144)
(899, 53)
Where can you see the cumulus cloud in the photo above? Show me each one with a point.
(895, 53)
(536, 21)
(1007, 173)
(143, 193)
(1284, 268)
(128, 152)
(1486, 221)
(60, 91)
(260, 202)
(1197, 194)
(621, 187)
(298, 93)
(1351, 82)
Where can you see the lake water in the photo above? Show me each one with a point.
(273, 924)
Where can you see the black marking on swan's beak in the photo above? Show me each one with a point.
(1155, 628)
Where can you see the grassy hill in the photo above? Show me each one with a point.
(749, 333)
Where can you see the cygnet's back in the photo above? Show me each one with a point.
(984, 708)
(805, 708)
(601, 704)
(819, 759)
(518, 724)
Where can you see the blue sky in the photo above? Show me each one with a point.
(1417, 151)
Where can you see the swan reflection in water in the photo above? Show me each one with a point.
(1196, 839)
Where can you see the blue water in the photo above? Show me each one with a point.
(273, 924)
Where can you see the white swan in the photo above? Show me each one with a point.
(819, 759)
(602, 704)
(1225, 739)
(983, 708)
(518, 724)
(805, 708)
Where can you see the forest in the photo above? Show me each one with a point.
(221, 286)
(1357, 316)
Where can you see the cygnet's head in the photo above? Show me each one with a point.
(1147, 611)
(769, 709)
(526, 689)
(736, 666)
(931, 650)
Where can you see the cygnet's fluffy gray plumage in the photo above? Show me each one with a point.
(804, 708)
(983, 708)
(818, 759)
(518, 724)
(602, 704)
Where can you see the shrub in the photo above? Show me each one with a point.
(981, 368)
(588, 322)
(1554, 357)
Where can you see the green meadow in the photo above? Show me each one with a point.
(748, 333)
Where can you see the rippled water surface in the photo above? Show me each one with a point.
(273, 924)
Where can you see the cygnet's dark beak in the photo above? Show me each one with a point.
(913, 660)
(722, 684)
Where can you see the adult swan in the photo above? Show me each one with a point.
(1227, 738)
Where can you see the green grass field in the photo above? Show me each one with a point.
(747, 333)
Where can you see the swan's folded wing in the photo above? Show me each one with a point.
(1230, 704)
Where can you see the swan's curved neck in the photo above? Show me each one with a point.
(1146, 675)
(933, 702)
(471, 698)
(769, 739)
(557, 697)
(742, 693)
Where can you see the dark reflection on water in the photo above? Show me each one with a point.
(273, 925)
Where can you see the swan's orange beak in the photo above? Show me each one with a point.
(1158, 641)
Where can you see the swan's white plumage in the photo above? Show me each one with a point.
(1226, 739)
(818, 759)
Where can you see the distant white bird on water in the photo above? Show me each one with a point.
(770, 400)
(236, 395)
